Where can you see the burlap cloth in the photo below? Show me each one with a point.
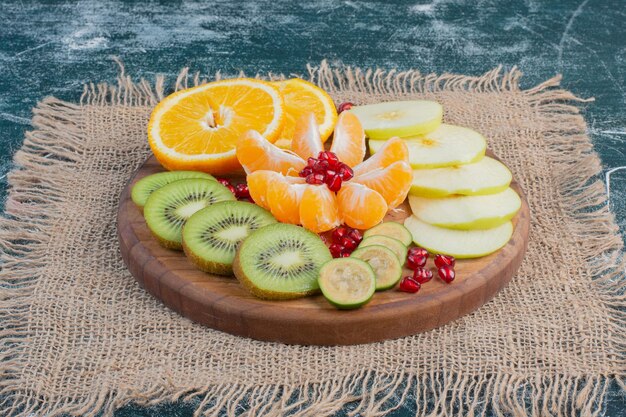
(79, 336)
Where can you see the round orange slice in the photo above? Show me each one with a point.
(392, 182)
(198, 128)
(318, 209)
(393, 150)
(349, 139)
(302, 97)
(254, 152)
(360, 207)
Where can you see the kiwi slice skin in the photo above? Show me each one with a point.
(280, 243)
(391, 229)
(170, 206)
(384, 262)
(335, 270)
(211, 235)
(147, 185)
(395, 245)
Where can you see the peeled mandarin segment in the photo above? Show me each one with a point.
(392, 182)
(349, 139)
(284, 200)
(254, 152)
(318, 209)
(360, 207)
(306, 137)
(198, 128)
(259, 183)
(392, 150)
(302, 97)
(399, 118)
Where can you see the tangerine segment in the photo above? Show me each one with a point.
(258, 184)
(198, 128)
(394, 149)
(306, 137)
(254, 152)
(361, 207)
(302, 97)
(284, 197)
(349, 139)
(392, 182)
(318, 209)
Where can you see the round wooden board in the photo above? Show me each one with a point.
(222, 304)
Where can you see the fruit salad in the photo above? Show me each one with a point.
(271, 183)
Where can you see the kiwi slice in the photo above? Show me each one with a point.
(147, 185)
(347, 283)
(211, 235)
(168, 208)
(395, 245)
(384, 262)
(280, 261)
(391, 229)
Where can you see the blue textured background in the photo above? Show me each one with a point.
(52, 48)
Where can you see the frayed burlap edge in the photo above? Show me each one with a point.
(56, 144)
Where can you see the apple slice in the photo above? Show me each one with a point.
(399, 118)
(467, 212)
(486, 176)
(448, 145)
(458, 243)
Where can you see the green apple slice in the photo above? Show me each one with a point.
(467, 212)
(448, 145)
(486, 176)
(459, 243)
(399, 118)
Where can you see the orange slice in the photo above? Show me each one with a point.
(284, 197)
(254, 152)
(360, 207)
(198, 128)
(349, 139)
(318, 209)
(393, 150)
(302, 97)
(392, 182)
(306, 137)
(258, 184)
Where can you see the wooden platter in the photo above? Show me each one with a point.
(222, 304)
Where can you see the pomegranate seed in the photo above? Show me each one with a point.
(223, 181)
(334, 184)
(241, 191)
(315, 179)
(345, 172)
(344, 106)
(330, 173)
(321, 167)
(339, 232)
(329, 156)
(419, 252)
(415, 261)
(231, 189)
(444, 260)
(446, 273)
(422, 275)
(345, 254)
(408, 284)
(336, 250)
(348, 243)
(306, 171)
(311, 162)
(355, 235)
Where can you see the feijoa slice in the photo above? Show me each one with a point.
(347, 283)
(384, 262)
(391, 229)
(147, 185)
(395, 245)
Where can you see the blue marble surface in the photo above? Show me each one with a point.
(52, 48)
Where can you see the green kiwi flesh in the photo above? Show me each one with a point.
(212, 235)
(168, 208)
(347, 283)
(384, 262)
(391, 229)
(395, 245)
(147, 185)
(281, 261)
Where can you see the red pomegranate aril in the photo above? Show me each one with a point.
(345, 172)
(321, 167)
(328, 156)
(418, 252)
(415, 261)
(311, 162)
(345, 254)
(355, 235)
(231, 189)
(408, 284)
(241, 191)
(444, 260)
(334, 184)
(330, 173)
(336, 250)
(446, 273)
(422, 275)
(306, 171)
(339, 233)
(348, 243)
(316, 179)
(223, 181)
(344, 106)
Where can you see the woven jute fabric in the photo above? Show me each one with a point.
(79, 336)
